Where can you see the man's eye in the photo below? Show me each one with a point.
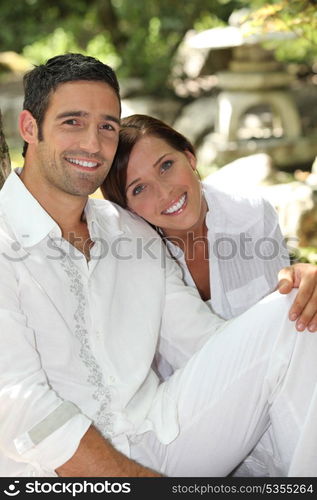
(71, 121)
(107, 126)
(137, 190)
(166, 165)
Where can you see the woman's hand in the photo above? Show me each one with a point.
(304, 308)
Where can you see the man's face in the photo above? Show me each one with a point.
(80, 137)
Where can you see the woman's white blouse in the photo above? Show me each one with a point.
(246, 251)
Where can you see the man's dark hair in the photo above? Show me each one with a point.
(40, 82)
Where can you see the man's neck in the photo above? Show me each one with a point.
(66, 209)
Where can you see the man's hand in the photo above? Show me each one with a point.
(304, 308)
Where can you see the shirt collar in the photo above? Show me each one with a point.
(210, 212)
(103, 215)
(28, 220)
(30, 223)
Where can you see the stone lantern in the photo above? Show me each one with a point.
(256, 110)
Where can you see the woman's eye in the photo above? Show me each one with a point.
(166, 165)
(137, 190)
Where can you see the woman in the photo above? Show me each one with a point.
(229, 247)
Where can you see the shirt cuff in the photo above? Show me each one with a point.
(53, 441)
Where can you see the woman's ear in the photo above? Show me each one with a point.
(191, 158)
(28, 127)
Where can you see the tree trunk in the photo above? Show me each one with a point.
(5, 165)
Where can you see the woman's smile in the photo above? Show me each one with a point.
(176, 207)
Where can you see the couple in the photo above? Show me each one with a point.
(91, 297)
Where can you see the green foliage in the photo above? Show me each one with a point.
(298, 17)
(305, 255)
(139, 38)
(60, 41)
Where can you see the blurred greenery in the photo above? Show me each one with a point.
(305, 255)
(137, 38)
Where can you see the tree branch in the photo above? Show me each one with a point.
(5, 164)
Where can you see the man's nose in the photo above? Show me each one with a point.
(90, 140)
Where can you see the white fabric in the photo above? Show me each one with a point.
(246, 251)
(87, 334)
(258, 371)
(72, 331)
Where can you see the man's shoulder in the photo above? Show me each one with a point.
(8, 243)
(125, 220)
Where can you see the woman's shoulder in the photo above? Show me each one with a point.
(234, 210)
(231, 197)
(123, 218)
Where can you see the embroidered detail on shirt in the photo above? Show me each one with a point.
(103, 419)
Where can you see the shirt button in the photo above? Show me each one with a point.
(111, 379)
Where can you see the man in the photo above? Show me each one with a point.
(88, 296)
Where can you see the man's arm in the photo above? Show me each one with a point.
(95, 457)
(47, 432)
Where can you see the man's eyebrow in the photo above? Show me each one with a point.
(112, 118)
(68, 114)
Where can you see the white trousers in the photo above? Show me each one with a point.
(257, 373)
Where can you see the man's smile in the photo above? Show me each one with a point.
(84, 164)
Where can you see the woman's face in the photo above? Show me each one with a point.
(162, 186)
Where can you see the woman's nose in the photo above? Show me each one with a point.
(163, 190)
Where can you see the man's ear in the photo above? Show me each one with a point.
(28, 127)
(191, 158)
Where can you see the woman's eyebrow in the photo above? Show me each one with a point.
(159, 159)
(133, 182)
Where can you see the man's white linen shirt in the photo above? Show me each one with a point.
(246, 250)
(78, 339)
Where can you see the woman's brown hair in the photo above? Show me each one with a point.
(133, 128)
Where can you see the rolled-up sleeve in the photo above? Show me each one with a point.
(38, 428)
